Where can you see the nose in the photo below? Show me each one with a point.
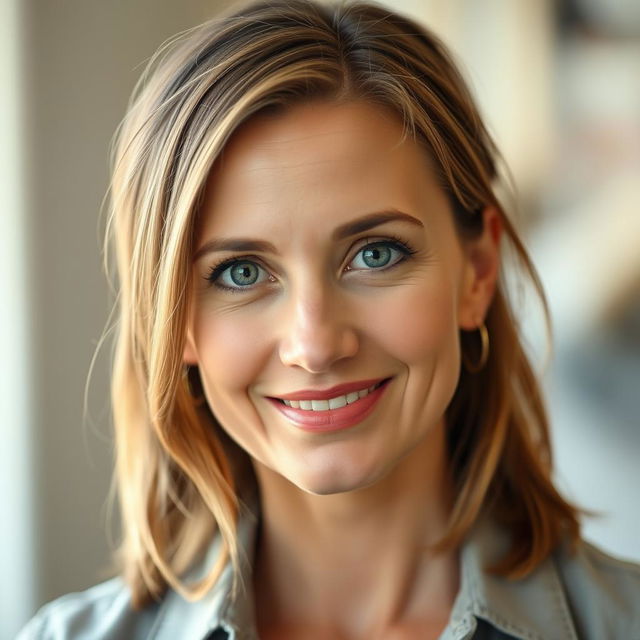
(317, 332)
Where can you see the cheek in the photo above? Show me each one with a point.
(229, 350)
(419, 323)
(229, 360)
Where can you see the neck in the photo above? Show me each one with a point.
(358, 557)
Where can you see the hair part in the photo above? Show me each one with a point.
(174, 474)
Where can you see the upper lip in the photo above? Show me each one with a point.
(332, 392)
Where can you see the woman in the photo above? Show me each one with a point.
(326, 424)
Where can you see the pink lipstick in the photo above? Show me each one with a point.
(332, 419)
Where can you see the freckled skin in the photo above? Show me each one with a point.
(292, 179)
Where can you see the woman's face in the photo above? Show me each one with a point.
(327, 255)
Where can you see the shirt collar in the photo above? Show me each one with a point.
(533, 607)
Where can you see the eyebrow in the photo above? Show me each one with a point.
(373, 220)
(346, 230)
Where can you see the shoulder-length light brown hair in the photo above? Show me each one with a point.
(174, 478)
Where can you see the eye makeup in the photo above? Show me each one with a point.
(219, 272)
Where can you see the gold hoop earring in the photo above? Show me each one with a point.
(484, 355)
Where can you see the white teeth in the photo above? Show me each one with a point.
(332, 403)
(336, 403)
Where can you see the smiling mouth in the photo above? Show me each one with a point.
(332, 403)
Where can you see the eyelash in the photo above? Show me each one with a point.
(216, 270)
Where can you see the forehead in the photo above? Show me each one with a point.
(323, 126)
(316, 162)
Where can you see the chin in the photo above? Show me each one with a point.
(327, 488)
(337, 477)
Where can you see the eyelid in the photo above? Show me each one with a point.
(387, 239)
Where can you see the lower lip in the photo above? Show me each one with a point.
(333, 419)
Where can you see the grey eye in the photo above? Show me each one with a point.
(241, 274)
(244, 273)
(376, 256)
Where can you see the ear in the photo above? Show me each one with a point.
(190, 354)
(482, 265)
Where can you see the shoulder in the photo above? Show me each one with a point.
(99, 613)
(603, 591)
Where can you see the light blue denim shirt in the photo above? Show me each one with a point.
(589, 596)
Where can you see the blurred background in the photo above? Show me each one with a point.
(559, 84)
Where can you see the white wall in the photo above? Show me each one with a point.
(16, 539)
